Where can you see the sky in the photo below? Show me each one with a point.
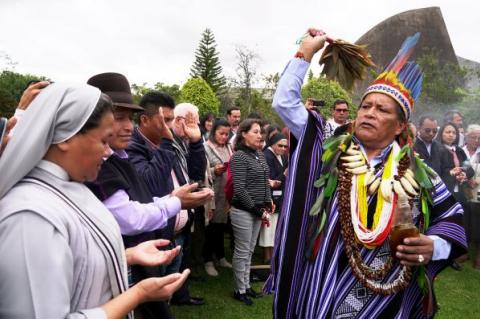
(155, 41)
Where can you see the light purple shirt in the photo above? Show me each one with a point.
(287, 102)
(134, 217)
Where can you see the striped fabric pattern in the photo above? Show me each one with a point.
(250, 180)
(316, 289)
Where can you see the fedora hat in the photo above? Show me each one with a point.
(116, 86)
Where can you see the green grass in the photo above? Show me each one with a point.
(458, 295)
(219, 302)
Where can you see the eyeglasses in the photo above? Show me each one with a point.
(341, 110)
(430, 130)
(282, 145)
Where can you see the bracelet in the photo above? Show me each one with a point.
(300, 55)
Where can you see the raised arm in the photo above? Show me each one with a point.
(287, 99)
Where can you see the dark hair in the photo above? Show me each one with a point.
(207, 117)
(216, 125)
(440, 133)
(448, 116)
(270, 129)
(104, 105)
(339, 101)
(254, 115)
(244, 127)
(423, 118)
(152, 100)
(232, 108)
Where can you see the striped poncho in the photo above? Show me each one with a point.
(326, 287)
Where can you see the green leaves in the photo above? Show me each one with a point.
(318, 205)
(421, 174)
(424, 199)
(199, 93)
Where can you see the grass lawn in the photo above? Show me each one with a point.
(458, 294)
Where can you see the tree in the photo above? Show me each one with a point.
(12, 85)
(198, 92)
(207, 65)
(140, 90)
(441, 81)
(246, 72)
(323, 89)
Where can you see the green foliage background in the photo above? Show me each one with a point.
(12, 85)
(320, 88)
(199, 93)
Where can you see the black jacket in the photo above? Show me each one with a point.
(438, 159)
(276, 173)
(449, 180)
(155, 166)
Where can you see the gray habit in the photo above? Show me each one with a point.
(61, 251)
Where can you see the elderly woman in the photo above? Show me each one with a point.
(333, 258)
(218, 152)
(62, 253)
(251, 202)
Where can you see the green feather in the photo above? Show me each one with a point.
(421, 175)
(321, 181)
(322, 222)
(422, 279)
(405, 150)
(425, 208)
(329, 165)
(317, 207)
(332, 183)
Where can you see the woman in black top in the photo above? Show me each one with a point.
(277, 162)
(458, 169)
(458, 172)
(251, 201)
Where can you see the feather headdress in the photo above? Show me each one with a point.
(401, 80)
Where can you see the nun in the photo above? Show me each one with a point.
(62, 252)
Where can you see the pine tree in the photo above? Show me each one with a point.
(207, 65)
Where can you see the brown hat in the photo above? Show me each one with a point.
(116, 86)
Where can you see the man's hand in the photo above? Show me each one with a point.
(147, 253)
(160, 288)
(30, 93)
(190, 199)
(412, 248)
(191, 128)
(313, 42)
(165, 131)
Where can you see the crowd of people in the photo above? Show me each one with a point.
(110, 208)
(119, 205)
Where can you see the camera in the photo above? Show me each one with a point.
(319, 103)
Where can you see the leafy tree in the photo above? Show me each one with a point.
(207, 65)
(442, 81)
(139, 90)
(323, 89)
(198, 92)
(12, 85)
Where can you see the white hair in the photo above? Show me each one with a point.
(183, 108)
(472, 127)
